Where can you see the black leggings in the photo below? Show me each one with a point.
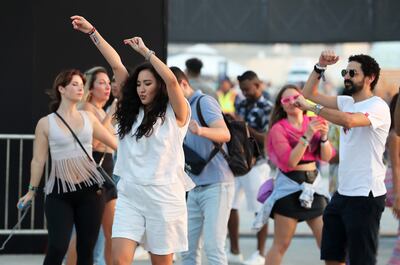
(84, 208)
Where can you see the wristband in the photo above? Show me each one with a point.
(33, 188)
(148, 55)
(320, 70)
(93, 36)
(323, 141)
(93, 30)
(304, 140)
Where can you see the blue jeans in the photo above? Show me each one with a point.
(98, 252)
(209, 207)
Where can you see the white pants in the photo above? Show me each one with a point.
(249, 185)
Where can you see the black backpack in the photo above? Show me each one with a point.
(242, 148)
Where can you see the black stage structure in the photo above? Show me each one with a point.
(285, 21)
(37, 42)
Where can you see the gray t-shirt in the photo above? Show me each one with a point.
(217, 170)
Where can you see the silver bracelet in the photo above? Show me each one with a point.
(317, 108)
(148, 55)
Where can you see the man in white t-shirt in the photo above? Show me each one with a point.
(352, 218)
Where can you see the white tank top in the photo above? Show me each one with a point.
(69, 164)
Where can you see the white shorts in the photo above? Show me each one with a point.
(153, 216)
(249, 185)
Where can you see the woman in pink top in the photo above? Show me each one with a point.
(72, 190)
(294, 143)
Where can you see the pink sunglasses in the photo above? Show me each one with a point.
(289, 99)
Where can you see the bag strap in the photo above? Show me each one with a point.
(76, 137)
(217, 147)
(102, 159)
(200, 116)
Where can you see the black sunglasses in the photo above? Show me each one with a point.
(351, 72)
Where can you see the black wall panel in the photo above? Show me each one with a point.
(36, 42)
(289, 21)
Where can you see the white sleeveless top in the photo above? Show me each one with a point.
(69, 164)
(154, 160)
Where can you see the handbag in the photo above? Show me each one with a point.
(108, 181)
(194, 163)
(265, 190)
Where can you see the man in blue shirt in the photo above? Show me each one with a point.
(209, 203)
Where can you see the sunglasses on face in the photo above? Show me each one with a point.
(351, 72)
(289, 99)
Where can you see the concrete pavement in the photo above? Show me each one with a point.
(302, 250)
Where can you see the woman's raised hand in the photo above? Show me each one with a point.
(81, 24)
(137, 44)
(314, 126)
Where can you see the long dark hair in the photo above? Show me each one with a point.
(130, 104)
(392, 107)
(278, 113)
(62, 79)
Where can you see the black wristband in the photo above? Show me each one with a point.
(324, 141)
(320, 70)
(317, 70)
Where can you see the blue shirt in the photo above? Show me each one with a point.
(217, 170)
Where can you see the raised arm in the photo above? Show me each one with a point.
(109, 53)
(347, 120)
(40, 155)
(175, 92)
(310, 89)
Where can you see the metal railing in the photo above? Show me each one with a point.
(12, 146)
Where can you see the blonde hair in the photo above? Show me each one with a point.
(90, 76)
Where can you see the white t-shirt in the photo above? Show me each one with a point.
(361, 167)
(154, 160)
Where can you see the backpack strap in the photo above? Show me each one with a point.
(217, 146)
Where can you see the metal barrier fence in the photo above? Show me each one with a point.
(15, 157)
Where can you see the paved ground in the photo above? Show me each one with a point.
(302, 251)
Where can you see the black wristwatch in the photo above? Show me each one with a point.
(320, 70)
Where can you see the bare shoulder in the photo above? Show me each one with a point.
(88, 107)
(92, 117)
(42, 126)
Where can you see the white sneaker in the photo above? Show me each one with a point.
(141, 254)
(234, 258)
(255, 259)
